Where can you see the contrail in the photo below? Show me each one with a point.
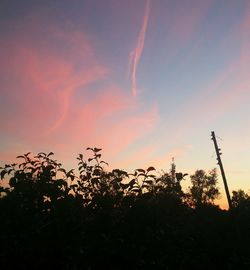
(136, 53)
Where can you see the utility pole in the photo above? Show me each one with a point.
(218, 153)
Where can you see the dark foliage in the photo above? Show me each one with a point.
(96, 219)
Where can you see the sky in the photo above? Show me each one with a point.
(145, 80)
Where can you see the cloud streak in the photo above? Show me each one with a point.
(135, 54)
(57, 96)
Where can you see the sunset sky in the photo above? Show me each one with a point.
(144, 80)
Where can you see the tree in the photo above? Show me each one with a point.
(204, 188)
(239, 197)
(100, 219)
(169, 185)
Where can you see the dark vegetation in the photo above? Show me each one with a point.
(99, 219)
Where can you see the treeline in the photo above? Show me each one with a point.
(100, 219)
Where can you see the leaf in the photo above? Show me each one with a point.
(3, 172)
(41, 154)
(12, 181)
(20, 157)
(62, 170)
(119, 172)
(179, 176)
(150, 169)
(50, 153)
(97, 149)
(104, 162)
(70, 173)
(124, 186)
(132, 182)
(11, 170)
(140, 170)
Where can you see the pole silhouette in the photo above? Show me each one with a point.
(218, 153)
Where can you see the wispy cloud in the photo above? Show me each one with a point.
(136, 53)
(46, 79)
(62, 99)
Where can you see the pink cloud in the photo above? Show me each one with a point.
(111, 121)
(50, 104)
(130, 128)
(151, 155)
(42, 80)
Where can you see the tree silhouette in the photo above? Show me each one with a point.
(92, 218)
(204, 188)
(239, 197)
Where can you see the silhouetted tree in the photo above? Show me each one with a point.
(100, 219)
(204, 188)
(239, 197)
(170, 185)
